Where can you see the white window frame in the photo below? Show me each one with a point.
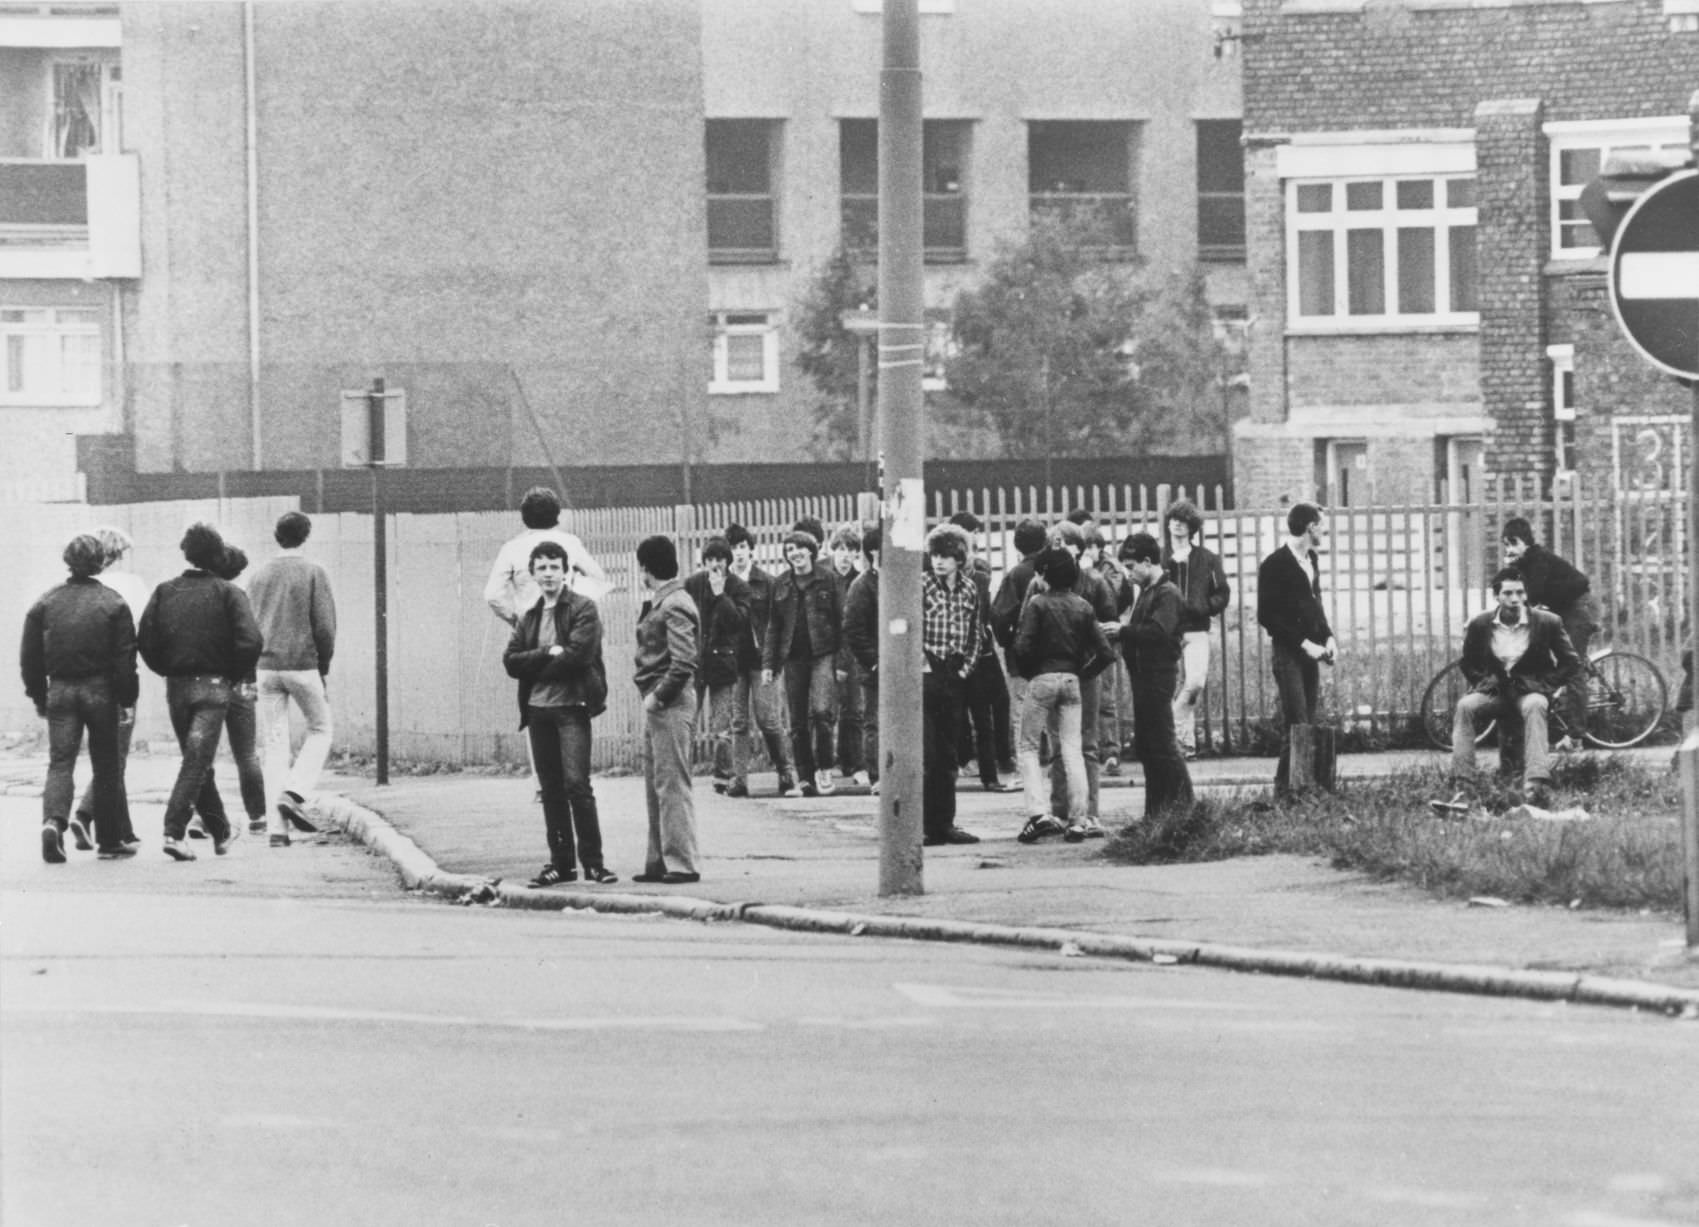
(727, 324)
(1562, 358)
(111, 117)
(1442, 217)
(55, 331)
(1665, 133)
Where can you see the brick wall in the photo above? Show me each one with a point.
(1265, 241)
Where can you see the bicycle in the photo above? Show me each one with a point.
(1626, 700)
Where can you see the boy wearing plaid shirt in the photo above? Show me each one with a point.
(949, 637)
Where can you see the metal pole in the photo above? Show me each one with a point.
(1689, 754)
(901, 435)
(863, 427)
(380, 576)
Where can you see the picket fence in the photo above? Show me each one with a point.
(1400, 583)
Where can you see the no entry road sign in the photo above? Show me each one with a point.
(1654, 274)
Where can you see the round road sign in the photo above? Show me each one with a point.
(1654, 274)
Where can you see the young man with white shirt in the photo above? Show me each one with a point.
(1515, 658)
(1289, 608)
(510, 590)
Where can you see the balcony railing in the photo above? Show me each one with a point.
(1221, 227)
(1111, 213)
(740, 229)
(943, 225)
(65, 219)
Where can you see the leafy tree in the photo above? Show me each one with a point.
(828, 352)
(1061, 352)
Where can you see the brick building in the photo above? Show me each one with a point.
(1428, 300)
(572, 233)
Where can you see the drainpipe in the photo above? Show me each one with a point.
(256, 457)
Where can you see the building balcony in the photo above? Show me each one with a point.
(741, 230)
(76, 219)
(1108, 215)
(943, 225)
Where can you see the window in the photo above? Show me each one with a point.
(1221, 191)
(1342, 472)
(49, 356)
(944, 148)
(746, 352)
(1579, 152)
(1563, 404)
(86, 106)
(1383, 250)
(741, 223)
(1080, 169)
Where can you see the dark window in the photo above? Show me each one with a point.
(741, 222)
(1221, 191)
(1085, 169)
(944, 149)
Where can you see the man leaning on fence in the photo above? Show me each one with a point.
(1515, 659)
(1289, 608)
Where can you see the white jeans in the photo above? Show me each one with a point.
(306, 687)
(1194, 666)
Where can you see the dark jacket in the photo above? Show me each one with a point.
(846, 662)
(667, 639)
(198, 624)
(81, 629)
(725, 627)
(1006, 605)
(861, 621)
(760, 611)
(578, 666)
(1098, 594)
(824, 602)
(1150, 641)
(1059, 633)
(1203, 587)
(1551, 581)
(980, 572)
(1288, 604)
(1549, 664)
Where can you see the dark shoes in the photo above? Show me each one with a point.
(787, 785)
(279, 841)
(955, 835)
(292, 807)
(116, 852)
(808, 790)
(222, 845)
(668, 878)
(737, 788)
(552, 875)
(1038, 826)
(601, 876)
(52, 844)
(999, 786)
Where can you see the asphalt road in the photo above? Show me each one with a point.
(229, 1042)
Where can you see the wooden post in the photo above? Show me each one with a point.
(1311, 760)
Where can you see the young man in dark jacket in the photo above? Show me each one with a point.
(845, 551)
(1555, 584)
(1096, 592)
(78, 660)
(722, 602)
(986, 736)
(861, 634)
(756, 704)
(1289, 609)
(803, 632)
(668, 639)
(555, 652)
(199, 633)
(1515, 659)
(1151, 644)
(1204, 593)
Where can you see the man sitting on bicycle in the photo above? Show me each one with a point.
(1515, 659)
(1555, 584)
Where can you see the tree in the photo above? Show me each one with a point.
(828, 352)
(1062, 352)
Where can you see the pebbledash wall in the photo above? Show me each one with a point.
(1347, 91)
(497, 207)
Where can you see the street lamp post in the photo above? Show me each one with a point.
(863, 325)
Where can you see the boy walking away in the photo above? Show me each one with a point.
(667, 639)
(78, 660)
(199, 634)
(296, 613)
(1555, 584)
(1202, 581)
(127, 584)
(1151, 643)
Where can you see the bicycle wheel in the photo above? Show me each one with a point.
(1440, 700)
(1626, 697)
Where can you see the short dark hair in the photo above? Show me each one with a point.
(1057, 568)
(1508, 575)
(1302, 515)
(201, 545)
(1079, 515)
(803, 538)
(293, 528)
(1185, 511)
(1141, 547)
(1030, 537)
(231, 563)
(84, 555)
(872, 541)
(811, 526)
(1518, 529)
(967, 520)
(548, 549)
(540, 507)
(658, 556)
(717, 547)
(737, 534)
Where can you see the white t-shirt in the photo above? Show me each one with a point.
(511, 590)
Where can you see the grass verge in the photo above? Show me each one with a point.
(1627, 854)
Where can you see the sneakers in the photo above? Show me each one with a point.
(873, 789)
(807, 790)
(737, 788)
(1075, 832)
(79, 832)
(196, 830)
(116, 852)
(1037, 827)
(552, 875)
(606, 877)
(1094, 829)
(278, 841)
(824, 782)
(720, 786)
(221, 846)
(1111, 766)
(292, 806)
(178, 850)
(52, 844)
(861, 779)
(787, 785)
(256, 824)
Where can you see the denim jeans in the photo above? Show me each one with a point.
(943, 698)
(73, 706)
(811, 688)
(1297, 680)
(1053, 704)
(757, 703)
(985, 735)
(1194, 658)
(277, 687)
(197, 705)
(666, 786)
(731, 752)
(870, 723)
(1061, 790)
(851, 717)
(126, 833)
(560, 747)
(1167, 783)
(1527, 716)
(240, 722)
